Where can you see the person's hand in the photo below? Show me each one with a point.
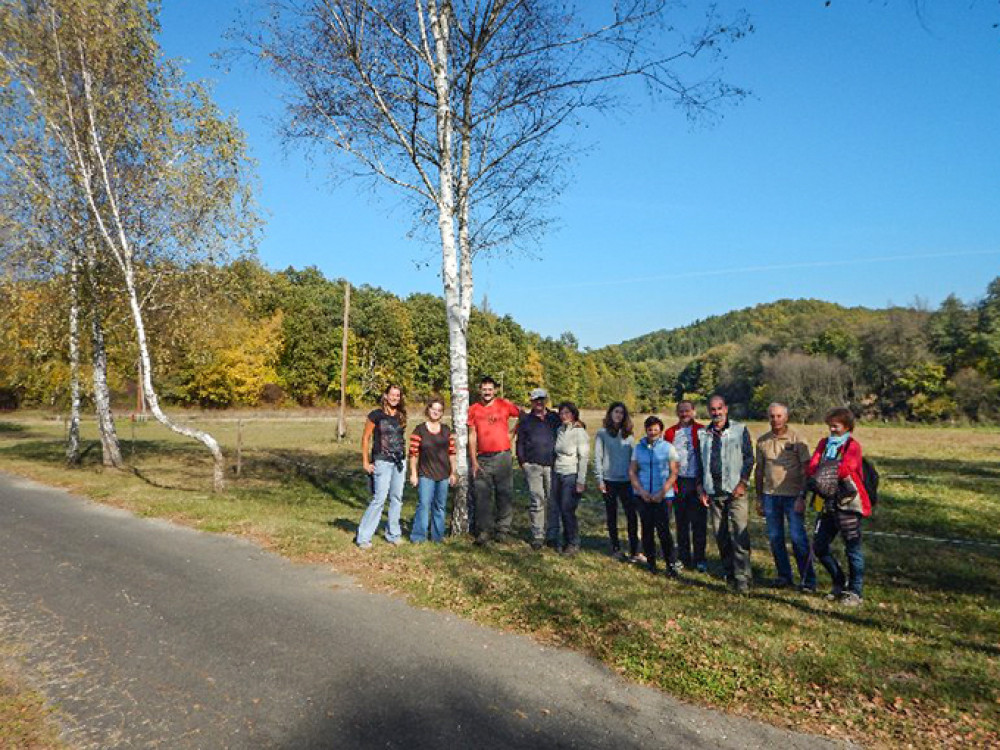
(580, 488)
(602, 487)
(369, 468)
(414, 480)
(452, 480)
(703, 496)
(760, 509)
(474, 468)
(800, 504)
(741, 490)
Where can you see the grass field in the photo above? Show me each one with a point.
(918, 664)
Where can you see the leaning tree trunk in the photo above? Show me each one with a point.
(219, 461)
(73, 436)
(91, 158)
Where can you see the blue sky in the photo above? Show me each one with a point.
(865, 169)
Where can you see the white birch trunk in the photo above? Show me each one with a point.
(116, 239)
(440, 25)
(73, 436)
(111, 452)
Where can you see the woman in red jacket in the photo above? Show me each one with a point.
(835, 474)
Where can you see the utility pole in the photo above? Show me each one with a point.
(341, 423)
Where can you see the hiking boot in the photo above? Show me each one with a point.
(742, 588)
(805, 588)
(850, 599)
(552, 544)
(571, 550)
(364, 545)
(482, 540)
(835, 593)
(394, 542)
(638, 559)
(537, 544)
(779, 583)
(501, 538)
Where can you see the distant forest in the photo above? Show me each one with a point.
(244, 336)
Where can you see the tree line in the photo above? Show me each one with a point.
(241, 335)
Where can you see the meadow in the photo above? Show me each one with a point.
(917, 665)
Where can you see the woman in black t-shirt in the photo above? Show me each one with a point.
(432, 471)
(384, 460)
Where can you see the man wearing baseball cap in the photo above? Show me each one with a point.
(536, 442)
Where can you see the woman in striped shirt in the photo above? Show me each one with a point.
(432, 471)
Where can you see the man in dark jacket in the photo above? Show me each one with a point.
(536, 441)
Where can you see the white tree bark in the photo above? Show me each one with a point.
(86, 150)
(111, 452)
(452, 275)
(73, 436)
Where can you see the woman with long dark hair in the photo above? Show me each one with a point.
(383, 457)
(569, 473)
(612, 453)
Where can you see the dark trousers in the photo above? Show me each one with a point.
(621, 492)
(495, 478)
(691, 520)
(848, 525)
(567, 499)
(656, 519)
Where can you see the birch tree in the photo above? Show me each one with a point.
(464, 106)
(162, 175)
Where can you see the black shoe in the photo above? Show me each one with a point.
(571, 550)
(482, 540)
(501, 538)
(537, 544)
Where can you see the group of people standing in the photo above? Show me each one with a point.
(702, 472)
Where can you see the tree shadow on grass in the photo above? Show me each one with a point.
(951, 468)
(333, 476)
(12, 428)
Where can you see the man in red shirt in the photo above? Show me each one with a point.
(490, 462)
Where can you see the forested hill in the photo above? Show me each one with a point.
(786, 322)
(244, 335)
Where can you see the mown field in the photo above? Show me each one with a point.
(918, 664)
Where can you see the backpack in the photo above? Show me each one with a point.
(869, 475)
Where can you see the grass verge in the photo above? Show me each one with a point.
(918, 665)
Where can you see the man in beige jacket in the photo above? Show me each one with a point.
(780, 478)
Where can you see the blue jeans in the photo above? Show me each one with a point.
(432, 497)
(387, 482)
(566, 499)
(777, 508)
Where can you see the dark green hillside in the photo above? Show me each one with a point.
(785, 323)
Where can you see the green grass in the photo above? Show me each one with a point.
(918, 664)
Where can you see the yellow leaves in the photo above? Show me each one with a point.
(235, 371)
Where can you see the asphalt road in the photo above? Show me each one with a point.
(147, 634)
